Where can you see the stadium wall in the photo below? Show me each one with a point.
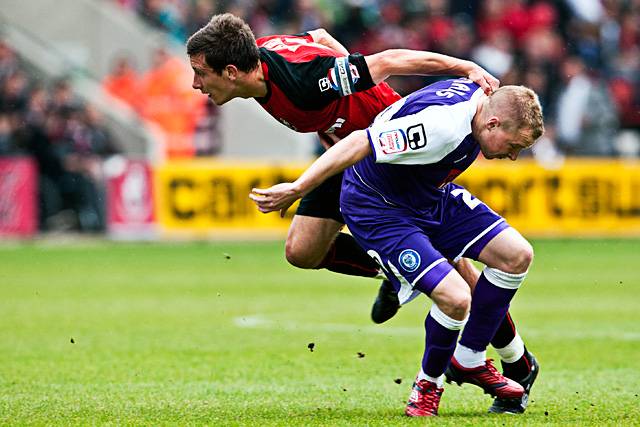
(581, 198)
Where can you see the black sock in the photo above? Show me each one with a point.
(519, 369)
(346, 257)
(505, 334)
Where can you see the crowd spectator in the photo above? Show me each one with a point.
(586, 117)
(163, 95)
(66, 138)
(123, 82)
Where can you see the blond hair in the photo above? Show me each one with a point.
(520, 110)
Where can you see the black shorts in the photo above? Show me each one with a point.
(324, 201)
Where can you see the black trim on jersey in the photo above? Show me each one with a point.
(304, 83)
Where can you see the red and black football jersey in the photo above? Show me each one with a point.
(312, 88)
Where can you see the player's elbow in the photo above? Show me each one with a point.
(319, 35)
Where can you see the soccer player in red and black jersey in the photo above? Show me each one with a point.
(310, 83)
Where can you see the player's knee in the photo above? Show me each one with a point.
(298, 255)
(457, 305)
(461, 305)
(520, 259)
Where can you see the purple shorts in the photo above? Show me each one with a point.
(412, 246)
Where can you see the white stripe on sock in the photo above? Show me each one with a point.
(446, 321)
(439, 381)
(468, 358)
(504, 280)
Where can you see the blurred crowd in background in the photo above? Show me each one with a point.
(67, 139)
(163, 95)
(581, 56)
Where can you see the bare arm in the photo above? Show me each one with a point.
(322, 37)
(345, 153)
(402, 62)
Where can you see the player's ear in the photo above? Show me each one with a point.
(493, 122)
(231, 71)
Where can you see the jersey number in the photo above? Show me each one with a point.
(291, 44)
(467, 198)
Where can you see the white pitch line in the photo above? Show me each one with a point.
(261, 322)
(258, 321)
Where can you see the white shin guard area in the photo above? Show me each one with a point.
(512, 351)
(446, 321)
(504, 280)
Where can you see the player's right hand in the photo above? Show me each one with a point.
(484, 79)
(277, 198)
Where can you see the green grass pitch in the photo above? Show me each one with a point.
(218, 334)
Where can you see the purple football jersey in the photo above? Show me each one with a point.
(420, 143)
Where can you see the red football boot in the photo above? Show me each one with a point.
(424, 399)
(486, 377)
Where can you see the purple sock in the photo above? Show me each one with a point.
(440, 342)
(489, 304)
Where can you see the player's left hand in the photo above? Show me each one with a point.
(279, 197)
(484, 79)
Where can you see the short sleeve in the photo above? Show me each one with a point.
(421, 138)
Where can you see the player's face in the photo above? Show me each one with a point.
(218, 87)
(497, 143)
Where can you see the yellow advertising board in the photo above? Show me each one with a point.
(210, 198)
(582, 198)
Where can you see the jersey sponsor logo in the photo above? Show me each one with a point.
(417, 136)
(392, 142)
(290, 44)
(409, 259)
(458, 87)
(324, 83)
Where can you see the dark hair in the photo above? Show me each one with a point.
(225, 40)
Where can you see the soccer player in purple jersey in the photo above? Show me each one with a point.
(401, 206)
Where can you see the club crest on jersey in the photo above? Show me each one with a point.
(392, 142)
(409, 259)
